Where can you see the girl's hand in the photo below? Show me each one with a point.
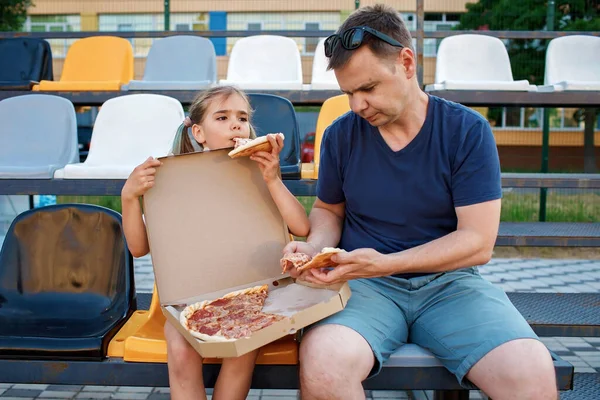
(268, 162)
(141, 179)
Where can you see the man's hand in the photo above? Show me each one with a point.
(360, 263)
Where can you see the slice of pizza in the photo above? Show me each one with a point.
(231, 317)
(293, 260)
(321, 260)
(246, 147)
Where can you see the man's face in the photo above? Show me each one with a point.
(377, 88)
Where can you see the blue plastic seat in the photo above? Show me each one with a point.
(66, 283)
(24, 62)
(38, 136)
(273, 114)
(178, 63)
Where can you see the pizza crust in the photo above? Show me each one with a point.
(321, 260)
(188, 311)
(259, 144)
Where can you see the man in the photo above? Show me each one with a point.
(409, 185)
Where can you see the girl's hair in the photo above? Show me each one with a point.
(182, 144)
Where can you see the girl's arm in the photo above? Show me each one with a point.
(138, 183)
(290, 208)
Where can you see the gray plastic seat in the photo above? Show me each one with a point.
(178, 63)
(38, 135)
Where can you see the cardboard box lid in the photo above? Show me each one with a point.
(212, 225)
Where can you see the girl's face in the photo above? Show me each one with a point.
(226, 118)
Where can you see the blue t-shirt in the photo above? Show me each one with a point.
(399, 200)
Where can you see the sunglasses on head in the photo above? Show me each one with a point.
(352, 38)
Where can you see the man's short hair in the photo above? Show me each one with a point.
(380, 17)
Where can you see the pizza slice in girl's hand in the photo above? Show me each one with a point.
(233, 316)
(303, 262)
(246, 147)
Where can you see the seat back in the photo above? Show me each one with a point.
(472, 57)
(25, 59)
(265, 59)
(573, 58)
(65, 266)
(38, 130)
(321, 77)
(129, 129)
(181, 58)
(99, 58)
(273, 114)
(332, 109)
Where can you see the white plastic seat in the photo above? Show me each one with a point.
(475, 62)
(322, 79)
(572, 63)
(265, 62)
(127, 131)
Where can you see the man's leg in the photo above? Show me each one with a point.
(474, 329)
(341, 351)
(334, 361)
(521, 368)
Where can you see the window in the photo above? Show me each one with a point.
(255, 26)
(435, 22)
(310, 43)
(150, 22)
(55, 23)
(532, 118)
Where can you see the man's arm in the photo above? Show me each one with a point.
(471, 244)
(325, 231)
(326, 224)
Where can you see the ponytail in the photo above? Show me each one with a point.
(182, 143)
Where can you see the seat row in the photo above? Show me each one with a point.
(39, 135)
(105, 63)
(479, 62)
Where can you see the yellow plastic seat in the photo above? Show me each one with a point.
(142, 339)
(98, 63)
(332, 108)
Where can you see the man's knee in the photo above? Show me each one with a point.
(334, 354)
(521, 368)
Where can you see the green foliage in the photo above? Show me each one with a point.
(13, 14)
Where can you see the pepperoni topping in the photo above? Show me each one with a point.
(201, 314)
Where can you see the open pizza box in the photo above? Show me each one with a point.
(213, 228)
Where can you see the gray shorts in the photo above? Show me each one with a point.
(458, 316)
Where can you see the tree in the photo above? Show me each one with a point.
(13, 14)
(527, 56)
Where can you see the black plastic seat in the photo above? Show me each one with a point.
(24, 62)
(66, 283)
(273, 114)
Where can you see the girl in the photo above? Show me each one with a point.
(217, 117)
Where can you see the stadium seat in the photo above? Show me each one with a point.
(67, 283)
(38, 136)
(273, 114)
(99, 63)
(127, 131)
(24, 62)
(178, 63)
(572, 63)
(322, 79)
(474, 62)
(332, 109)
(265, 62)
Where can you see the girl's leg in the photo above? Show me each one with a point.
(185, 367)
(235, 377)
